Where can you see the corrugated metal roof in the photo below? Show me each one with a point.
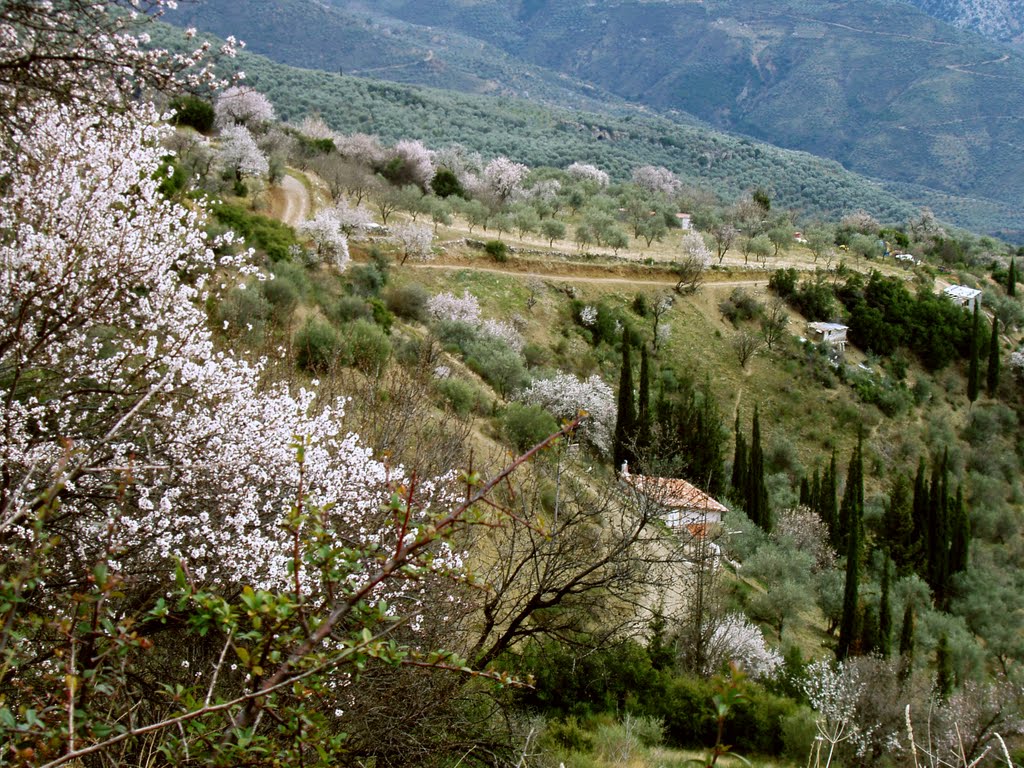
(962, 292)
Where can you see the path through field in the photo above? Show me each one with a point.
(289, 201)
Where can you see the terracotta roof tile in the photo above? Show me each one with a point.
(674, 493)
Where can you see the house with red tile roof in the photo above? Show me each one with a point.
(686, 507)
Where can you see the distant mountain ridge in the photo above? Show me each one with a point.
(878, 85)
(1001, 20)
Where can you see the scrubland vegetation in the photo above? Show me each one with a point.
(346, 493)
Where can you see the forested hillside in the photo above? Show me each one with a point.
(880, 87)
(1001, 20)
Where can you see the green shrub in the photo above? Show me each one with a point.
(498, 364)
(283, 296)
(382, 316)
(348, 308)
(497, 250)
(462, 396)
(172, 178)
(367, 280)
(641, 305)
(268, 235)
(455, 336)
(798, 734)
(408, 301)
(246, 312)
(740, 306)
(568, 735)
(783, 282)
(755, 725)
(526, 425)
(318, 346)
(193, 111)
(369, 346)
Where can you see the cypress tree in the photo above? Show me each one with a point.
(625, 422)
(992, 377)
(960, 535)
(921, 518)
(805, 492)
(869, 632)
(739, 464)
(885, 614)
(1011, 279)
(973, 370)
(828, 510)
(709, 463)
(852, 508)
(898, 526)
(907, 643)
(645, 421)
(848, 623)
(757, 491)
(815, 500)
(943, 669)
(938, 530)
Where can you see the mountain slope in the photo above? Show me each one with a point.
(315, 35)
(879, 86)
(1001, 20)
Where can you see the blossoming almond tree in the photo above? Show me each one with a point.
(241, 105)
(566, 396)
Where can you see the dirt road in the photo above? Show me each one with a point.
(289, 201)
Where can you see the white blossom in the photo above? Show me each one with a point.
(695, 250)
(504, 178)
(242, 105)
(354, 222)
(587, 172)
(111, 306)
(566, 396)
(418, 160)
(588, 315)
(414, 240)
(738, 640)
(656, 179)
(449, 307)
(506, 332)
(362, 148)
(1017, 361)
(325, 231)
(239, 153)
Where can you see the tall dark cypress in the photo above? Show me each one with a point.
(973, 370)
(852, 508)
(922, 517)
(885, 614)
(805, 492)
(625, 422)
(757, 491)
(992, 377)
(1011, 279)
(848, 623)
(815, 500)
(709, 464)
(938, 530)
(739, 464)
(829, 510)
(645, 421)
(943, 669)
(960, 535)
(898, 526)
(907, 643)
